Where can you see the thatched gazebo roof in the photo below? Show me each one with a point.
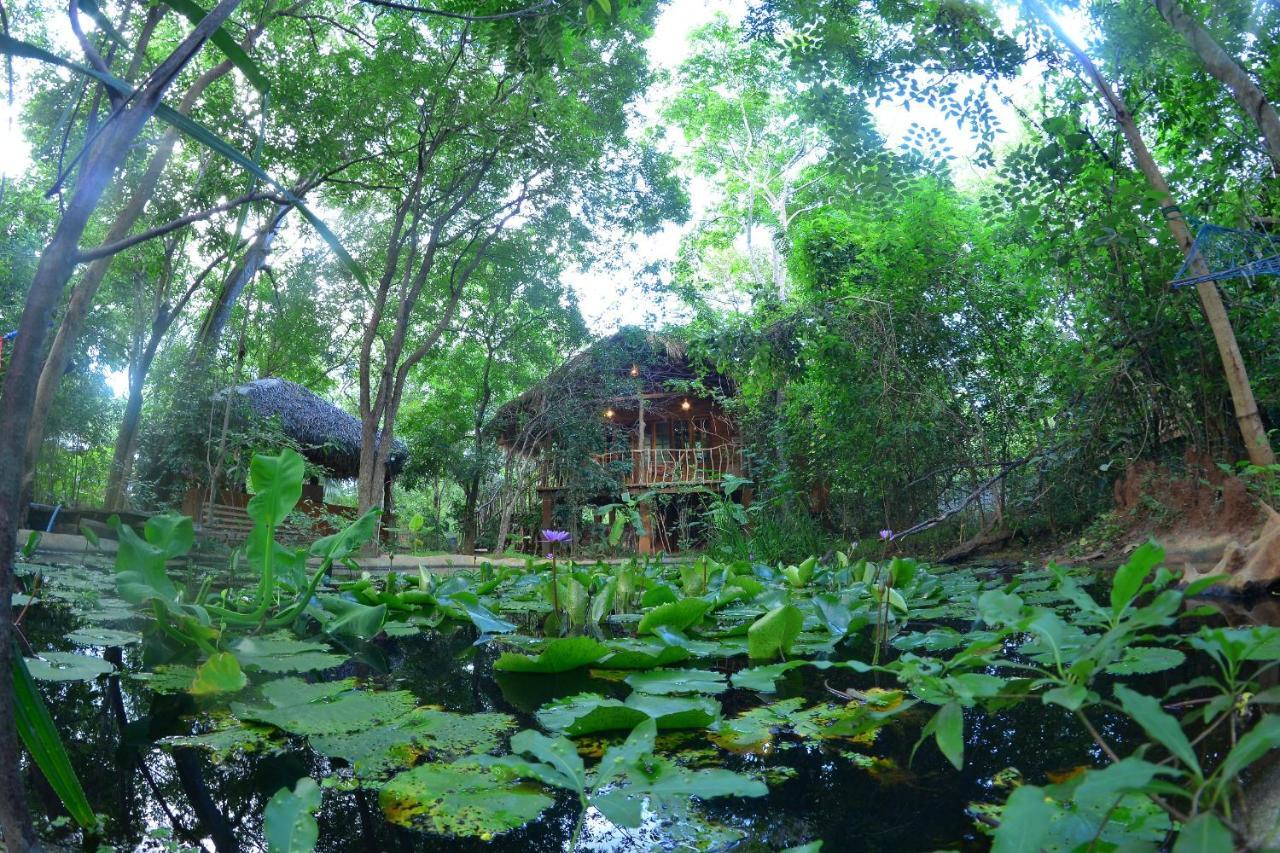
(328, 436)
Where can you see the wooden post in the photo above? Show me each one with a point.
(644, 544)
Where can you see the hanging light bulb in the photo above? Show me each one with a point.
(635, 370)
(608, 413)
(686, 405)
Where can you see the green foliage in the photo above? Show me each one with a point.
(289, 823)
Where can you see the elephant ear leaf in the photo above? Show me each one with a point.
(140, 563)
(348, 540)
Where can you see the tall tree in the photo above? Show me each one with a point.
(1218, 62)
(103, 157)
(1248, 418)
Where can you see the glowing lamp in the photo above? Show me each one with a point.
(686, 405)
(608, 413)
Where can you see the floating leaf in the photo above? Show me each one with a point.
(641, 778)
(678, 681)
(289, 823)
(460, 799)
(439, 735)
(221, 744)
(67, 666)
(559, 655)
(221, 673)
(309, 709)
(103, 637)
(586, 713)
(638, 654)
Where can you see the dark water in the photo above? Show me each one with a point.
(816, 790)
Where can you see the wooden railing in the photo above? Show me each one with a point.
(687, 466)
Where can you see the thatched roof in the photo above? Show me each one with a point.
(329, 437)
(658, 359)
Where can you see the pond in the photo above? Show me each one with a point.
(674, 707)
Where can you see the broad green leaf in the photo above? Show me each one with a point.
(32, 543)
(462, 799)
(1159, 725)
(664, 681)
(641, 778)
(1129, 577)
(948, 732)
(641, 654)
(1070, 696)
(676, 615)
(67, 666)
(219, 674)
(772, 634)
(1204, 834)
(376, 753)
(560, 756)
(559, 655)
(1252, 745)
(288, 822)
(587, 713)
(1000, 608)
(1140, 660)
(1024, 821)
(354, 621)
(324, 709)
(349, 539)
(93, 636)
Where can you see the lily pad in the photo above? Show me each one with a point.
(103, 637)
(166, 678)
(441, 735)
(282, 653)
(638, 654)
(309, 709)
(460, 799)
(560, 655)
(67, 666)
(589, 712)
(221, 744)
(665, 681)
(221, 673)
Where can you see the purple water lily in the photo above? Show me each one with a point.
(553, 538)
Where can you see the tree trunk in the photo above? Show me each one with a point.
(82, 295)
(1248, 419)
(253, 260)
(126, 443)
(1227, 71)
(53, 271)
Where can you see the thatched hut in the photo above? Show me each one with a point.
(327, 436)
(324, 434)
